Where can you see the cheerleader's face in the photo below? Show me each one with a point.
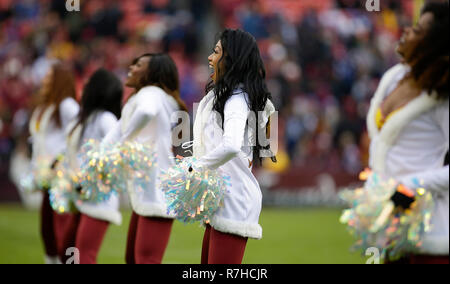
(214, 60)
(413, 35)
(137, 72)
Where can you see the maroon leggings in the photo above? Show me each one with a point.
(421, 259)
(47, 227)
(86, 234)
(89, 238)
(65, 226)
(62, 231)
(222, 248)
(147, 239)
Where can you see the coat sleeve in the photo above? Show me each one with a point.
(108, 121)
(235, 119)
(114, 135)
(146, 110)
(68, 110)
(436, 180)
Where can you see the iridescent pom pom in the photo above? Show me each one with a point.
(375, 222)
(42, 173)
(193, 193)
(107, 169)
(63, 192)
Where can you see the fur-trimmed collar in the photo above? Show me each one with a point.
(387, 136)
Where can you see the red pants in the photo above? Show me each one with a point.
(221, 248)
(89, 237)
(65, 225)
(147, 239)
(86, 234)
(421, 259)
(47, 227)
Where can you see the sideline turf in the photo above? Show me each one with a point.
(290, 236)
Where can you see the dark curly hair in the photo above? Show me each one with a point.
(429, 58)
(163, 73)
(241, 65)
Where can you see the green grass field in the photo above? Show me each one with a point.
(290, 236)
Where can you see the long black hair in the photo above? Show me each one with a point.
(163, 73)
(429, 58)
(102, 92)
(241, 65)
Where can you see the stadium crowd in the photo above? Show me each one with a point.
(323, 58)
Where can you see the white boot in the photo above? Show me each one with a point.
(52, 260)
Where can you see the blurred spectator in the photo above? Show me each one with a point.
(323, 58)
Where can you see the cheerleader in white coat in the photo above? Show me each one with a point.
(224, 138)
(100, 110)
(408, 123)
(146, 118)
(47, 125)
